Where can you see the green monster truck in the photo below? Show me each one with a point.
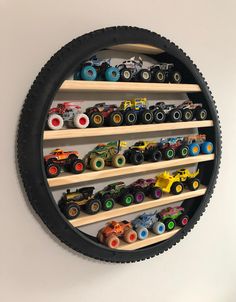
(105, 154)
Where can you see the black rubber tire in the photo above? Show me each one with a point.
(176, 77)
(127, 154)
(136, 157)
(183, 151)
(155, 155)
(167, 221)
(191, 184)
(67, 209)
(92, 122)
(32, 125)
(180, 219)
(89, 206)
(201, 114)
(111, 119)
(175, 115)
(159, 116)
(142, 75)
(174, 188)
(130, 118)
(159, 76)
(166, 152)
(48, 166)
(146, 116)
(187, 115)
(73, 165)
(123, 78)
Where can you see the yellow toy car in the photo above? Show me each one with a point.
(175, 183)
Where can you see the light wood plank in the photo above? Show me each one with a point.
(69, 179)
(152, 238)
(103, 86)
(92, 132)
(118, 210)
(137, 48)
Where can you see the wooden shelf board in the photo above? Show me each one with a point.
(103, 131)
(119, 210)
(69, 179)
(103, 86)
(152, 238)
(137, 48)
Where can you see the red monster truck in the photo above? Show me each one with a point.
(110, 234)
(58, 160)
(66, 113)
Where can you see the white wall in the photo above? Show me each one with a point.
(34, 266)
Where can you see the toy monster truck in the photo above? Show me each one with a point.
(173, 146)
(172, 216)
(66, 113)
(101, 113)
(143, 150)
(162, 112)
(175, 183)
(132, 69)
(198, 143)
(148, 187)
(165, 72)
(110, 234)
(105, 154)
(146, 222)
(118, 192)
(135, 110)
(72, 202)
(95, 69)
(58, 160)
(192, 110)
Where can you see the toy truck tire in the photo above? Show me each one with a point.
(88, 73)
(168, 153)
(126, 199)
(187, 115)
(112, 241)
(193, 184)
(175, 77)
(52, 169)
(182, 220)
(207, 148)
(146, 116)
(77, 166)
(93, 206)
(130, 236)
(112, 74)
(125, 75)
(136, 157)
(183, 151)
(142, 233)
(115, 119)
(159, 76)
(194, 149)
(200, 114)
(118, 161)
(130, 118)
(155, 192)
(55, 122)
(169, 224)
(71, 210)
(96, 120)
(81, 121)
(144, 75)
(97, 163)
(107, 203)
(175, 115)
(177, 188)
(158, 228)
(138, 196)
(154, 155)
(100, 237)
(159, 116)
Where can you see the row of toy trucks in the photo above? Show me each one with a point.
(129, 70)
(72, 202)
(130, 231)
(130, 112)
(109, 154)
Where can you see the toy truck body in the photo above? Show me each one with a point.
(173, 146)
(192, 110)
(173, 216)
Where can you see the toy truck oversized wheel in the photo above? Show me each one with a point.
(201, 114)
(187, 115)
(97, 163)
(207, 148)
(155, 192)
(193, 184)
(175, 115)
(112, 241)
(154, 155)
(158, 228)
(88, 73)
(115, 119)
(182, 220)
(175, 77)
(125, 75)
(146, 116)
(145, 75)
(159, 76)
(52, 169)
(130, 236)
(168, 153)
(71, 210)
(177, 188)
(96, 120)
(136, 157)
(107, 203)
(142, 233)
(81, 121)
(169, 224)
(126, 199)
(194, 149)
(159, 116)
(138, 196)
(77, 166)
(93, 206)
(183, 151)
(130, 118)
(118, 161)
(55, 122)
(112, 74)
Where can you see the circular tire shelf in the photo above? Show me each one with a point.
(33, 119)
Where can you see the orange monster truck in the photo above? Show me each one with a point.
(58, 160)
(110, 234)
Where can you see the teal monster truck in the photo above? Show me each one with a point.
(106, 154)
(120, 193)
